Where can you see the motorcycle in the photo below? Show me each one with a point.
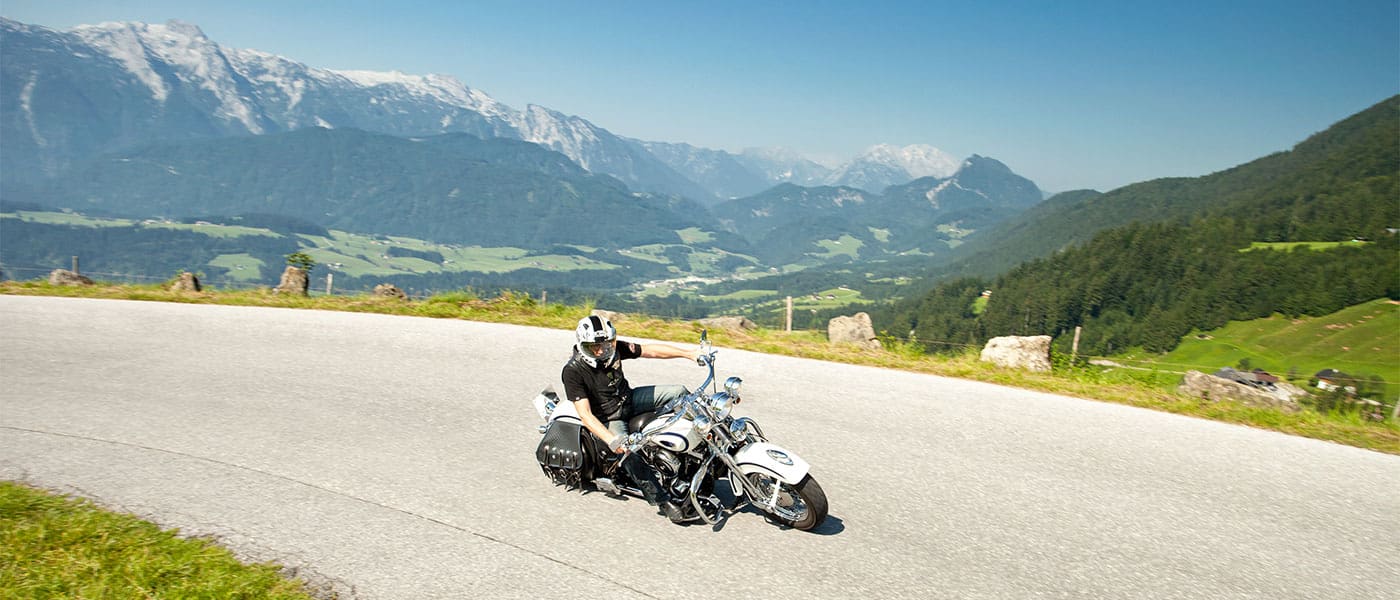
(692, 443)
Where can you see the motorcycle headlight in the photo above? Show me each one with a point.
(720, 404)
(734, 385)
(701, 422)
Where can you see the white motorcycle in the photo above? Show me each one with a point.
(692, 443)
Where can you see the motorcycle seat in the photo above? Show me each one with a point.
(637, 422)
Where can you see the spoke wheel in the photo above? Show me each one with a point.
(801, 506)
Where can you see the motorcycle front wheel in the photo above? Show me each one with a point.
(801, 506)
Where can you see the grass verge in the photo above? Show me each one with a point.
(520, 309)
(57, 547)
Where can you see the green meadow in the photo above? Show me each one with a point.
(1362, 341)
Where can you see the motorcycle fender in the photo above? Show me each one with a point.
(565, 411)
(771, 460)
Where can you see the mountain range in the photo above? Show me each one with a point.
(70, 95)
(138, 120)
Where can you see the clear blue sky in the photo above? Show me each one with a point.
(1070, 94)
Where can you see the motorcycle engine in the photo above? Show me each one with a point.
(665, 462)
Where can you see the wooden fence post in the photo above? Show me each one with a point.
(75, 265)
(1074, 350)
(329, 277)
(788, 321)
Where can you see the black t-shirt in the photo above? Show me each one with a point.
(604, 386)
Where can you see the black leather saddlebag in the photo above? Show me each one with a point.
(562, 446)
(561, 453)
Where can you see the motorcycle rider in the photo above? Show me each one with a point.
(594, 382)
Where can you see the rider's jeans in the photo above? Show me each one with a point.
(646, 399)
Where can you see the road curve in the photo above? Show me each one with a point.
(392, 457)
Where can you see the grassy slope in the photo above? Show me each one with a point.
(56, 547)
(1360, 340)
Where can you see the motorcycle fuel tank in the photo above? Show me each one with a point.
(681, 436)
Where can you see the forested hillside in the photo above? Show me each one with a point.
(1185, 261)
(1336, 184)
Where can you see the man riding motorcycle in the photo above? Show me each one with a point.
(594, 382)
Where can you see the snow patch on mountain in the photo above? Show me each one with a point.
(26, 103)
(442, 88)
(919, 160)
(180, 45)
(121, 42)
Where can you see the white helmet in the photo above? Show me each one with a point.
(596, 334)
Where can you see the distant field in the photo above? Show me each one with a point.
(241, 267)
(360, 255)
(740, 295)
(823, 300)
(226, 231)
(847, 245)
(694, 235)
(1362, 340)
(58, 218)
(77, 220)
(650, 252)
(1285, 246)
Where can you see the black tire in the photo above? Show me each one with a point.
(808, 492)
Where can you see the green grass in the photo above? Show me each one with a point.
(78, 220)
(980, 304)
(57, 547)
(360, 255)
(740, 295)
(694, 235)
(211, 230)
(954, 231)
(73, 219)
(1362, 341)
(241, 267)
(1118, 386)
(1286, 246)
(651, 253)
(846, 245)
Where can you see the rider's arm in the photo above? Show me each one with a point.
(585, 414)
(668, 351)
(576, 391)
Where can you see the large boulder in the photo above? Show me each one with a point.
(186, 282)
(389, 290)
(66, 277)
(727, 323)
(294, 281)
(1031, 353)
(1283, 396)
(856, 329)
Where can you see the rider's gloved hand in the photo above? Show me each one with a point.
(617, 444)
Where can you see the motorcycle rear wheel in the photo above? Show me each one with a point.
(802, 506)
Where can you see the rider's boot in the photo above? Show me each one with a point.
(645, 479)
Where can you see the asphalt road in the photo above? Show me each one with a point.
(392, 457)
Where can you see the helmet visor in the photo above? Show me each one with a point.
(597, 348)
